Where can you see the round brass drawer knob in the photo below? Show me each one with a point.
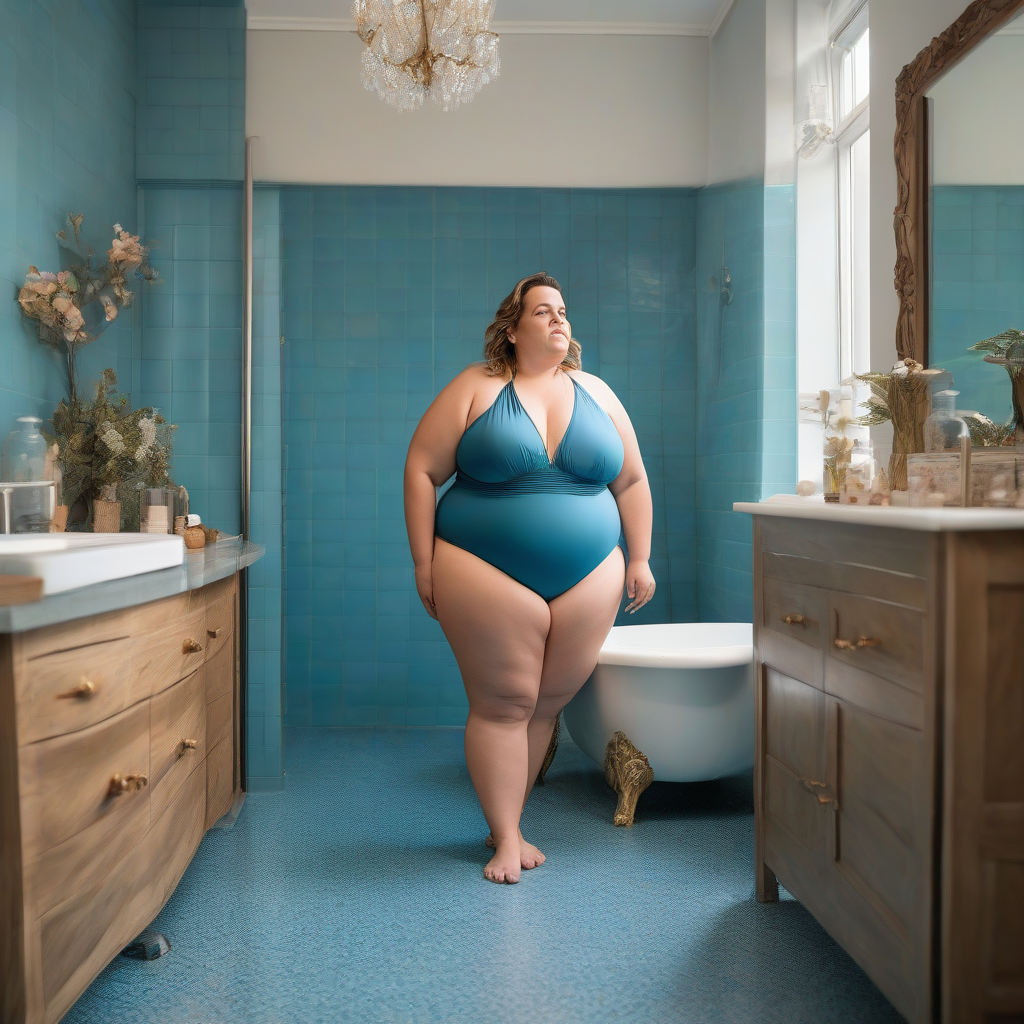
(191, 646)
(213, 633)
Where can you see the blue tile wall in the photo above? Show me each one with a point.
(386, 293)
(191, 92)
(264, 711)
(977, 292)
(67, 143)
(192, 340)
(747, 403)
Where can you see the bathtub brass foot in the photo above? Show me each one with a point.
(550, 755)
(629, 773)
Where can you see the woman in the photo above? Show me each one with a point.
(520, 560)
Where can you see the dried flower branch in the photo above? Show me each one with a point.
(75, 306)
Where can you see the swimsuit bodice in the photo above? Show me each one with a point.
(503, 447)
(547, 523)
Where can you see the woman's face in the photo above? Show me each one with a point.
(543, 329)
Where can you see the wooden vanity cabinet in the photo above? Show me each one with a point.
(118, 749)
(889, 775)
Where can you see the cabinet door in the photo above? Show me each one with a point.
(794, 777)
(878, 851)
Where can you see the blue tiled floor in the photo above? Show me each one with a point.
(357, 896)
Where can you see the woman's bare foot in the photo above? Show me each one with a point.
(529, 855)
(504, 866)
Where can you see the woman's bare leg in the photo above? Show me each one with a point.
(580, 621)
(497, 629)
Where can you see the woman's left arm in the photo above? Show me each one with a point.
(632, 494)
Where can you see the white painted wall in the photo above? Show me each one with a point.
(900, 29)
(978, 119)
(737, 95)
(566, 111)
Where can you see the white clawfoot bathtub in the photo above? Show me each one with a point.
(683, 693)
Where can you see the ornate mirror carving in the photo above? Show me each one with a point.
(979, 20)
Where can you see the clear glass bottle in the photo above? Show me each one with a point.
(838, 444)
(859, 478)
(24, 456)
(944, 430)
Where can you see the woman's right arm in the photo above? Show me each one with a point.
(430, 462)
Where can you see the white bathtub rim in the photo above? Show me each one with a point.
(680, 645)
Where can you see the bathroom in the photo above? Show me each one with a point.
(297, 836)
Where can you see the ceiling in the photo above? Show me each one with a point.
(672, 17)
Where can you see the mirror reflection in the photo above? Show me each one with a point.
(976, 127)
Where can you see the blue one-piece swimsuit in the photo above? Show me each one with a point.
(547, 524)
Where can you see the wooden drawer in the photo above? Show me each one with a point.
(220, 781)
(162, 657)
(794, 621)
(878, 637)
(67, 780)
(177, 738)
(220, 674)
(902, 552)
(74, 689)
(220, 624)
(80, 936)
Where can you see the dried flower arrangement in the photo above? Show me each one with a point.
(74, 306)
(109, 451)
(903, 396)
(1007, 350)
(986, 434)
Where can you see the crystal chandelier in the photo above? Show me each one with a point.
(444, 48)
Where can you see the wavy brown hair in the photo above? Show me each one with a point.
(499, 352)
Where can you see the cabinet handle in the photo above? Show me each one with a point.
(120, 784)
(213, 633)
(793, 620)
(854, 645)
(818, 790)
(191, 646)
(187, 745)
(86, 688)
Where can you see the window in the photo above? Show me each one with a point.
(851, 95)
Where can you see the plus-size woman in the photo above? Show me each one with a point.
(520, 560)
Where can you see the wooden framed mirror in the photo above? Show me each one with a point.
(913, 151)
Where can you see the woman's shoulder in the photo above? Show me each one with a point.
(597, 387)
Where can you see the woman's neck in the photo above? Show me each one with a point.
(532, 372)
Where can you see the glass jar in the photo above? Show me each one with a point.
(24, 456)
(944, 430)
(156, 510)
(859, 478)
(838, 443)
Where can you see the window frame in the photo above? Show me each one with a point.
(847, 133)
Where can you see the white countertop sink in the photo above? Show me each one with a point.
(66, 561)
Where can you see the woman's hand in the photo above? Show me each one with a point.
(640, 584)
(425, 588)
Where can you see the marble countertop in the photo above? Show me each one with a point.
(935, 520)
(205, 565)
